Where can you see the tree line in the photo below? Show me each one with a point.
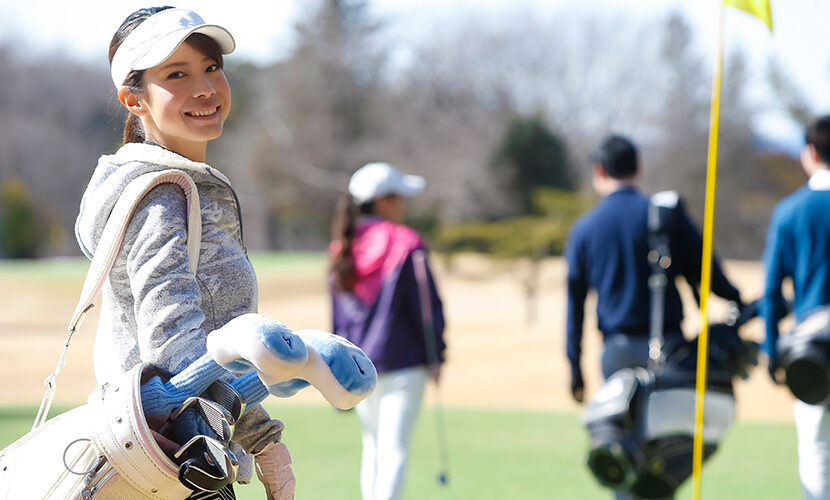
(500, 118)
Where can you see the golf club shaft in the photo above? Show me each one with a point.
(431, 345)
(441, 432)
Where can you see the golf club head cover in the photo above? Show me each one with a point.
(159, 398)
(246, 342)
(284, 362)
(251, 388)
(260, 342)
(341, 371)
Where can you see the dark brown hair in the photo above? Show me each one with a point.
(343, 230)
(818, 136)
(618, 156)
(133, 131)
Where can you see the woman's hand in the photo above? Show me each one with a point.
(434, 372)
(273, 467)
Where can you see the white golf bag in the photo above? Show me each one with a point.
(101, 450)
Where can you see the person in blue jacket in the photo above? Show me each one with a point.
(607, 251)
(385, 301)
(798, 248)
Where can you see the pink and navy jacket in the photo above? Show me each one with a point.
(383, 314)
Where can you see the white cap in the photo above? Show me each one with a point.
(158, 36)
(376, 180)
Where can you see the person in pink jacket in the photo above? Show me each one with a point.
(385, 301)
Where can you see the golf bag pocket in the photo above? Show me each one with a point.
(671, 412)
(642, 429)
(613, 401)
(804, 355)
(33, 466)
(668, 437)
(612, 419)
(103, 450)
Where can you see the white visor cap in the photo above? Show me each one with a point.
(376, 180)
(158, 36)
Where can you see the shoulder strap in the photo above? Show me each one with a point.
(421, 278)
(660, 220)
(108, 248)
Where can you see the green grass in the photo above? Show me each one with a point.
(289, 262)
(500, 455)
(47, 270)
(74, 268)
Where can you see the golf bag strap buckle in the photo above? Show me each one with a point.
(94, 467)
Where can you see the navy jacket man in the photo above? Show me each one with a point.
(798, 248)
(607, 251)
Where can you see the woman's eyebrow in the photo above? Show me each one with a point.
(176, 64)
(173, 65)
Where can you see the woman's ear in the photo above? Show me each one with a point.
(130, 101)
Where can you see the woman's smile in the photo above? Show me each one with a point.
(209, 113)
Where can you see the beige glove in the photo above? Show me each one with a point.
(273, 467)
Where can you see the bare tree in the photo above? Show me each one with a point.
(298, 128)
(56, 121)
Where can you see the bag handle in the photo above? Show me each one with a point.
(107, 250)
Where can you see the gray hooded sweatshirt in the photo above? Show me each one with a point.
(154, 309)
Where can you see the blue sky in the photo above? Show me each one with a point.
(264, 29)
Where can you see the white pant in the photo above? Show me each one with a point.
(388, 418)
(813, 427)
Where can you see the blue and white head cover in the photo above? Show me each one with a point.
(158, 36)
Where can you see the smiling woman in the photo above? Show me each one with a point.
(160, 300)
(178, 100)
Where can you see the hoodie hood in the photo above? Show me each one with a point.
(113, 174)
(380, 247)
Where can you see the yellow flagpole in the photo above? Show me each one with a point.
(706, 270)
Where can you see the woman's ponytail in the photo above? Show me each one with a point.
(133, 130)
(343, 231)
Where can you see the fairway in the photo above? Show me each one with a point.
(499, 455)
(513, 430)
